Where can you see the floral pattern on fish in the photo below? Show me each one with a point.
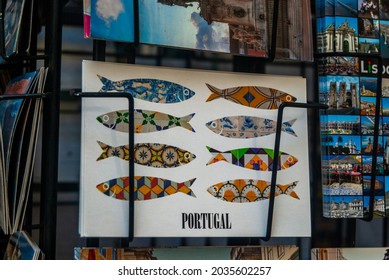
(152, 90)
(247, 127)
(149, 154)
(144, 121)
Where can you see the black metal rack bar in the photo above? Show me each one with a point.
(50, 127)
(277, 142)
(131, 209)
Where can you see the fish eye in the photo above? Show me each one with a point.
(290, 159)
(186, 92)
(213, 124)
(105, 118)
(105, 187)
(187, 156)
(289, 98)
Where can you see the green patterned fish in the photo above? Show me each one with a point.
(144, 121)
(149, 154)
(253, 158)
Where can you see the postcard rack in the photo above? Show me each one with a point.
(316, 106)
(131, 200)
(50, 121)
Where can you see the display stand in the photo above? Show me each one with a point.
(277, 142)
(131, 200)
(50, 124)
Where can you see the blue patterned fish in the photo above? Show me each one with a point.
(152, 90)
(247, 127)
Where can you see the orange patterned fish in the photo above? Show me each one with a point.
(247, 190)
(252, 96)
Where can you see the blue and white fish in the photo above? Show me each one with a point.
(247, 127)
(152, 90)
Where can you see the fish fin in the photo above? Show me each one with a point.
(105, 149)
(216, 93)
(185, 187)
(106, 83)
(185, 122)
(287, 127)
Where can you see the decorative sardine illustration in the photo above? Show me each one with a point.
(144, 121)
(247, 127)
(252, 96)
(149, 154)
(243, 190)
(152, 90)
(253, 158)
(145, 188)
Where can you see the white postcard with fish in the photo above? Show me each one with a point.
(203, 153)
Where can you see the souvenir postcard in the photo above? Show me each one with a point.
(350, 86)
(368, 253)
(86, 14)
(325, 33)
(23, 153)
(12, 25)
(22, 247)
(346, 8)
(17, 131)
(294, 30)
(281, 252)
(219, 26)
(109, 20)
(203, 153)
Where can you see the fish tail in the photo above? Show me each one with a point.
(106, 83)
(289, 190)
(105, 149)
(217, 156)
(185, 122)
(287, 127)
(216, 93)
(185, 187)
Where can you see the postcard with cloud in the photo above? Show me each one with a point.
(109, 20)
(238, 27)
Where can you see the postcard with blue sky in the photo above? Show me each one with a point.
(346, 8)
(368, 86)
(239, 29)
(385, 106)
(112, 20)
